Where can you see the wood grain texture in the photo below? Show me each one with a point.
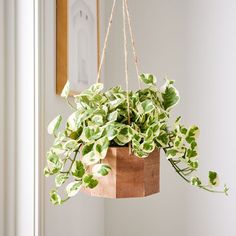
(61, 44)
(130, 176)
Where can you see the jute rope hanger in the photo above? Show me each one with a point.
(126, 67)
(133, 43)
(126, 12)
(105, 42)
(125, 15)
(126, 61)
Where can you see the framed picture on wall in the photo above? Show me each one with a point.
(77, 44)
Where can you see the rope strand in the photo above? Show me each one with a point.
(125, 15)
(133, 43)
(105, 42)
(126, 60)
(126, 69)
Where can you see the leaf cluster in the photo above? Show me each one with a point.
(101, 119)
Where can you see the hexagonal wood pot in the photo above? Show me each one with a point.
(130, 177)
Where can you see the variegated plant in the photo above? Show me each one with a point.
(100, 120)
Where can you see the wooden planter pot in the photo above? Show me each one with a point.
(130, 176)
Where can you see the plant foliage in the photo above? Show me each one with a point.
(100, 119)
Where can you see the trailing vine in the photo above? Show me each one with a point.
(100, 120)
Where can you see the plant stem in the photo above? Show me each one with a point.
(64, 200)
(178, 170)
(211, 190)
(70, 105)
(72, 163)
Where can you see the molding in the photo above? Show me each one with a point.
(2, 117)
(39, 116)
(21, 118)
(24, 132)
(10, 118)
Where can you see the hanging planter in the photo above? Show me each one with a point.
(130, 176)
(110, 144)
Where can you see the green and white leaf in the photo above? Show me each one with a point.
(97, 119)
(192, 134)
(96, 88)
(91, 133)
(213, 178)
(162, 139)
(78, 169)
(89, 181)
(88, 155)
(125, 135)
(66, 90)
(100, 147)
(174, 153)
(100, 170)
(55, 164)
(59, 139)
(61, 179)
(145, 107)
(148, 79)
(47, 172)
(113, 116)
(73, 188)
(55, 198)
(71, 145)
(74, 121)
(196, 181)
(170, 95)
(148, 147)
(115, 103)
(111, 131)
(54, 125)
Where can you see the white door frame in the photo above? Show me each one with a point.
(20, 118)
(9, 118)
(2, 116)
(40, 116)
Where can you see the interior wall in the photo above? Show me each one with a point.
(192, 42)
(81, 215)
(25, 114)
(210, 85)
(17, 118)
(2, 118)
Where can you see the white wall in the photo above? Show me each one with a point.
(81, 215)
(25, 114)
(17, 118)
(192, 42)
(211, 72)
(2, 118)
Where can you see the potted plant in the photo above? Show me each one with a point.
(111, 143)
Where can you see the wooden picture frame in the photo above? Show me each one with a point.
(64, 61)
